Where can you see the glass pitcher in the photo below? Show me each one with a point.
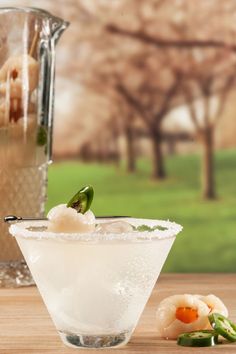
(27, 68)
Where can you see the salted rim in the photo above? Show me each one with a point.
(20, 230)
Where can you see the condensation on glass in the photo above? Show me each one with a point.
(27, 61)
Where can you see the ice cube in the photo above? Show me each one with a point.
(116, 227)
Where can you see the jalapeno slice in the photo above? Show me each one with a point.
(82, 200)
(223, 326)
(204, 338)
(42, 136)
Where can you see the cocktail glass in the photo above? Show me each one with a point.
(28, 38)
(95, 286)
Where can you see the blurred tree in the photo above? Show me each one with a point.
(143, 78)
(122, 122)
(125, 118)
(130, 143)
(201, 56)
(212, 85)
(152, 102)
(154, 55)
(122, 117)
(180, 24)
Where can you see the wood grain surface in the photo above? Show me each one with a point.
(25, 326)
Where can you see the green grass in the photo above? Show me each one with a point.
(208, 242)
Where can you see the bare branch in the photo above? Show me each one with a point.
(223, 98)
(130, 99)
(167, 43)
(190, 104)
(168, 97)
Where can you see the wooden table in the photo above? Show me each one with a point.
(25, 326)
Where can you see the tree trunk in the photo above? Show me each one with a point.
(158, 171)
(208, 183)
(171, 146)
(130, 146)
(117, 159)
(116, 152)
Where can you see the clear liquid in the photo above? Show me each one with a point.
(95, 290)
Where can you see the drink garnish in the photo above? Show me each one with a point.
(143, 227)
(42, 136)
(82, 200)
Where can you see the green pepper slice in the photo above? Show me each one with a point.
(148, 228)
(204, 338)
(82, 200)
(42, 136)
(223, 326)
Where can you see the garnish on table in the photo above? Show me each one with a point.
(194, 320)
(82, 200)
(204, 338)
(223, 326)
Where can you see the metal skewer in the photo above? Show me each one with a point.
(13, 218)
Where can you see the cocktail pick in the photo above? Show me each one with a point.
(13, 218)
(81, 202)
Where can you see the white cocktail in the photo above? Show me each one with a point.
(95, 285)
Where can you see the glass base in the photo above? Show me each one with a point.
(96, 341)
(15, 274)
